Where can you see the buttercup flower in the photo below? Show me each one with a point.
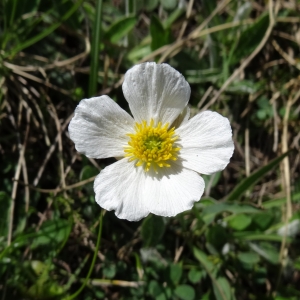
(162, 152)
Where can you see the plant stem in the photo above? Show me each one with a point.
(73, 296)
(95, 50)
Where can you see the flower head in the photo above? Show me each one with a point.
(152, 146)
(163, 152)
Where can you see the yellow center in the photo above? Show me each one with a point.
(152, 146)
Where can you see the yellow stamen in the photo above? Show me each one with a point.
(152, 147)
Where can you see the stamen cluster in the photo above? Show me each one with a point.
(152, 146)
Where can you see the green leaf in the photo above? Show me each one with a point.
(225, 287)
(147, 5)
(138, 53)
(153, 228)
(203, 259)
(109, 271)
(297, 263)
(185, 292)
(263, 220)
(169, 4)
(138, 264)
(205, 75)
(175, 272)
(217, 236)
(244, 87)
(267, 251)
(234, 208)
(52, 234)
(209, 267)
(206, 296)
(161, 296)
(253, 236)
(48, 290)
(4, 215)
(250, 38)
(88, 172)
(279, 202)
(248, 257)
(173, 17)
(239, 222)
(211, 210)
(195, 275)
(246, 183)
(120, 28)
(159, 35)
(37, 266)
(154, 288)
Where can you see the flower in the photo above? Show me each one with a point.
(162, 152)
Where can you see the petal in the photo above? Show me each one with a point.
(99, 128)
(121, 187)
(132, 193)
(175, 190)
(155, 91)
(206, 143)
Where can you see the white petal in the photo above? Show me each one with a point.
(155, 91)
(132, 193)
(99, 128)
(121, 187)
(206, 143)
(173, 191)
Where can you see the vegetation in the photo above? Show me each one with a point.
(241, 241)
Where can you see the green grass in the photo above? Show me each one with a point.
(241, 60)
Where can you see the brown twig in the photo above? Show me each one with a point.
(36, 79)
(187, 16)
(51, 150)
(22, 148)
(53, 113)
(58, 190)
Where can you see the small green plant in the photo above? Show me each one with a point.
(241, 241)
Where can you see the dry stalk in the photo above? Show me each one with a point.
(185, 23)
(54, 115)
(204, 97)
(53, 65)
(22, 148)
(246, 62)
(51, 150)
(24, 166)
(285, 55)
(285, 162)
(37, 79)
(40, 114)
(58, 190)
(286, 180)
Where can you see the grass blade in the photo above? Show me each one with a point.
(245, 184)
(209, 268)
(95, 50)
(47, 31)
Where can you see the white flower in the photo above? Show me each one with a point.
(162, 151)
